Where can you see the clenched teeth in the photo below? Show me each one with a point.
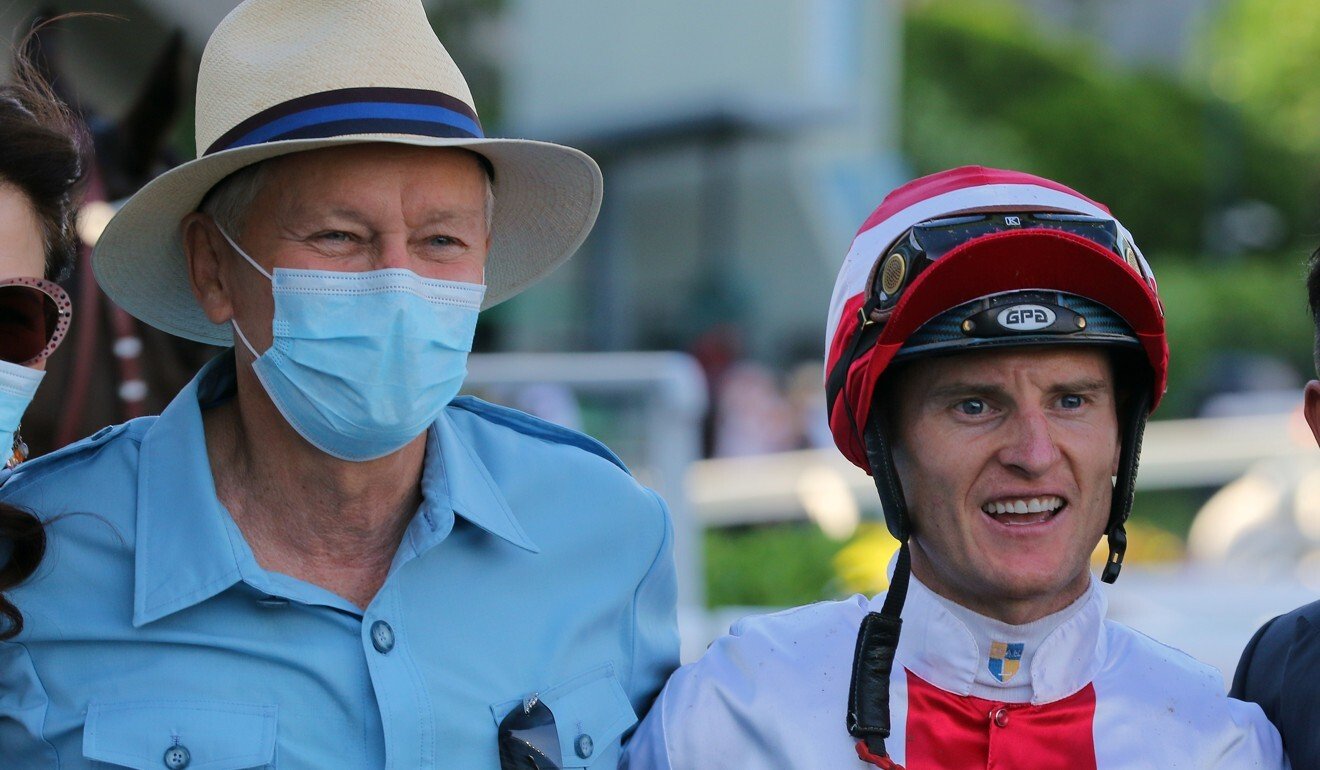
(1025, 505)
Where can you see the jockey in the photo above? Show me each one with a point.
(994, 345)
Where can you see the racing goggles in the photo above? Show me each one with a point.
(34, 317)
(924, 243)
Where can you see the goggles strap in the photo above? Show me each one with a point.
(864, 338)
(1134, 426)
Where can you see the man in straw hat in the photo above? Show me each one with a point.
(314, 558)
(994, 346)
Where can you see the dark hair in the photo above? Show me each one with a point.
(42, 157)
(1313, 300)
(29, 539)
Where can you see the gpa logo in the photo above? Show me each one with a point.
(1005, 660)
(1025, 318)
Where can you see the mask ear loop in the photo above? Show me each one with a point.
(244, 338)
(259, 269)
(244, 254)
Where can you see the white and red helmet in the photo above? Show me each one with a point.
(1042, 259)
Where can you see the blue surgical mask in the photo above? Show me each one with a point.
(18, 384)
(362, 363)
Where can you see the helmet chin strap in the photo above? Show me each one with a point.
(1131, 430)
(877, 639)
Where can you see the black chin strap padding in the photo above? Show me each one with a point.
(873, 662)
(1117, 547)
(885, 476)
(1133, 426)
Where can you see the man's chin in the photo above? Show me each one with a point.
(1019, 596)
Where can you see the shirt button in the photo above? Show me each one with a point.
(1000, 717)
(177, 757)
(583, 745)
(272, 602)
(382, 636)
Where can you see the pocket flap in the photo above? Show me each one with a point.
(199, 735)
(591, 712)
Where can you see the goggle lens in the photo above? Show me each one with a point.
(927, 242)
(34, 317)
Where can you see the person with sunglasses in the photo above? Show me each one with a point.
(319, 555)
(40, 168)
(994, 345)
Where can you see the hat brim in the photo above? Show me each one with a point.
(547, 197)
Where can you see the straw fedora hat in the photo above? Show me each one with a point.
(284, 76)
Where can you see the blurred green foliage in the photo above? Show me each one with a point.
(1255, 305)
(771, 566)
(1262, 56)
(982, 85)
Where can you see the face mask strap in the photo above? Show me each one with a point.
(244, 255)
(244, 338)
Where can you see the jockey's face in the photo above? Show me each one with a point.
(980, 434)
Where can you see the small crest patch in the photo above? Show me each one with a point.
(1005, 659)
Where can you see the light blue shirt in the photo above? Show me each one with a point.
(535, 565)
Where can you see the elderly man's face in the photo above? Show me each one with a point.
(1005, 458)
(356, 208)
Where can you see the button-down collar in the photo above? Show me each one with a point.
(189, 549)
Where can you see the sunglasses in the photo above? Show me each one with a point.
(528, 738)
(34, 317)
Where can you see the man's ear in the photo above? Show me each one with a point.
(1311, 408)
(204, 249)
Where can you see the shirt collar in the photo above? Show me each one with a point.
(938, 647)
(454, 479)
(188, 549)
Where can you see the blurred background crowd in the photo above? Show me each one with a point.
(742, 142)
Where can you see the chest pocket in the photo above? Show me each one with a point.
(591, 713)
(178, 734)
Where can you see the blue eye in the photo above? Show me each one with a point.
(971, 407)
(1072, 402)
